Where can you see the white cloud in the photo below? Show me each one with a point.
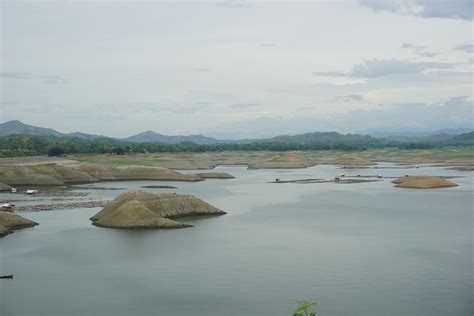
(176, 71)
(45, 78)
(419, 50)
(373, 68)
(449, 9)
(468, 48)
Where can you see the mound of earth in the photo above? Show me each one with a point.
(109, 173)
(423, 182)
(54, 174)
(134, 214)
(352, 160)
(4, 187)
(215, 175)
(11, 221)
(285, 161)
(43, 174)
(138, 209)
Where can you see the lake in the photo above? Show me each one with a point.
(356, 249)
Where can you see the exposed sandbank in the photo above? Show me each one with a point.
(423, 182)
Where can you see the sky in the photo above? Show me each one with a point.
(235, 69)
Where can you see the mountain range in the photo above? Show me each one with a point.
(401, 133)
(17, 127)
(151, 136)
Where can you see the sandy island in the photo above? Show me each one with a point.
(138, 209)
(423, 182)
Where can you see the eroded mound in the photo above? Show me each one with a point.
(423, 182)
(54, 174)
(352, 160)
(136, 173)
(4, 187)
(11, 221)
(215, 175)
(138, 209)
(283, 161)
(134, 214)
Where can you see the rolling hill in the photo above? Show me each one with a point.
(151, 136)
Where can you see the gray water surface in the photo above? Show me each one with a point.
(360, 249)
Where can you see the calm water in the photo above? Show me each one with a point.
(361, 249)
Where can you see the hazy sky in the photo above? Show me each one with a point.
(237, 68)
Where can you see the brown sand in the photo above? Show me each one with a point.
(423, 182)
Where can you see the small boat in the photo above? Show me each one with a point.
(10, 276)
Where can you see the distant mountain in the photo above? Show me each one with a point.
(466, 139)
(17, 127)
(322, 137)
(444, 136)
(84, 136)
(150, 136)
(453, 131)
(419, 139)
(401, 134)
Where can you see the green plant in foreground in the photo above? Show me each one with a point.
(305, 308)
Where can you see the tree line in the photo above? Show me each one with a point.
(28, 145)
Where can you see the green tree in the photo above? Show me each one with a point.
(305, 308)
(118, 150)
(55, 151)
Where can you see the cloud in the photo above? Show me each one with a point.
(415, 47)
(245, 105)
(373, 68)
(419, 50)
(468, 48)
(351, 97)
(234, 4)
(267, 44)
(148, 108)
(306, 108)
(202, 69)
(449, 9)
(331, 73)
(30, 76)
(44, 109)
(452, 111)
